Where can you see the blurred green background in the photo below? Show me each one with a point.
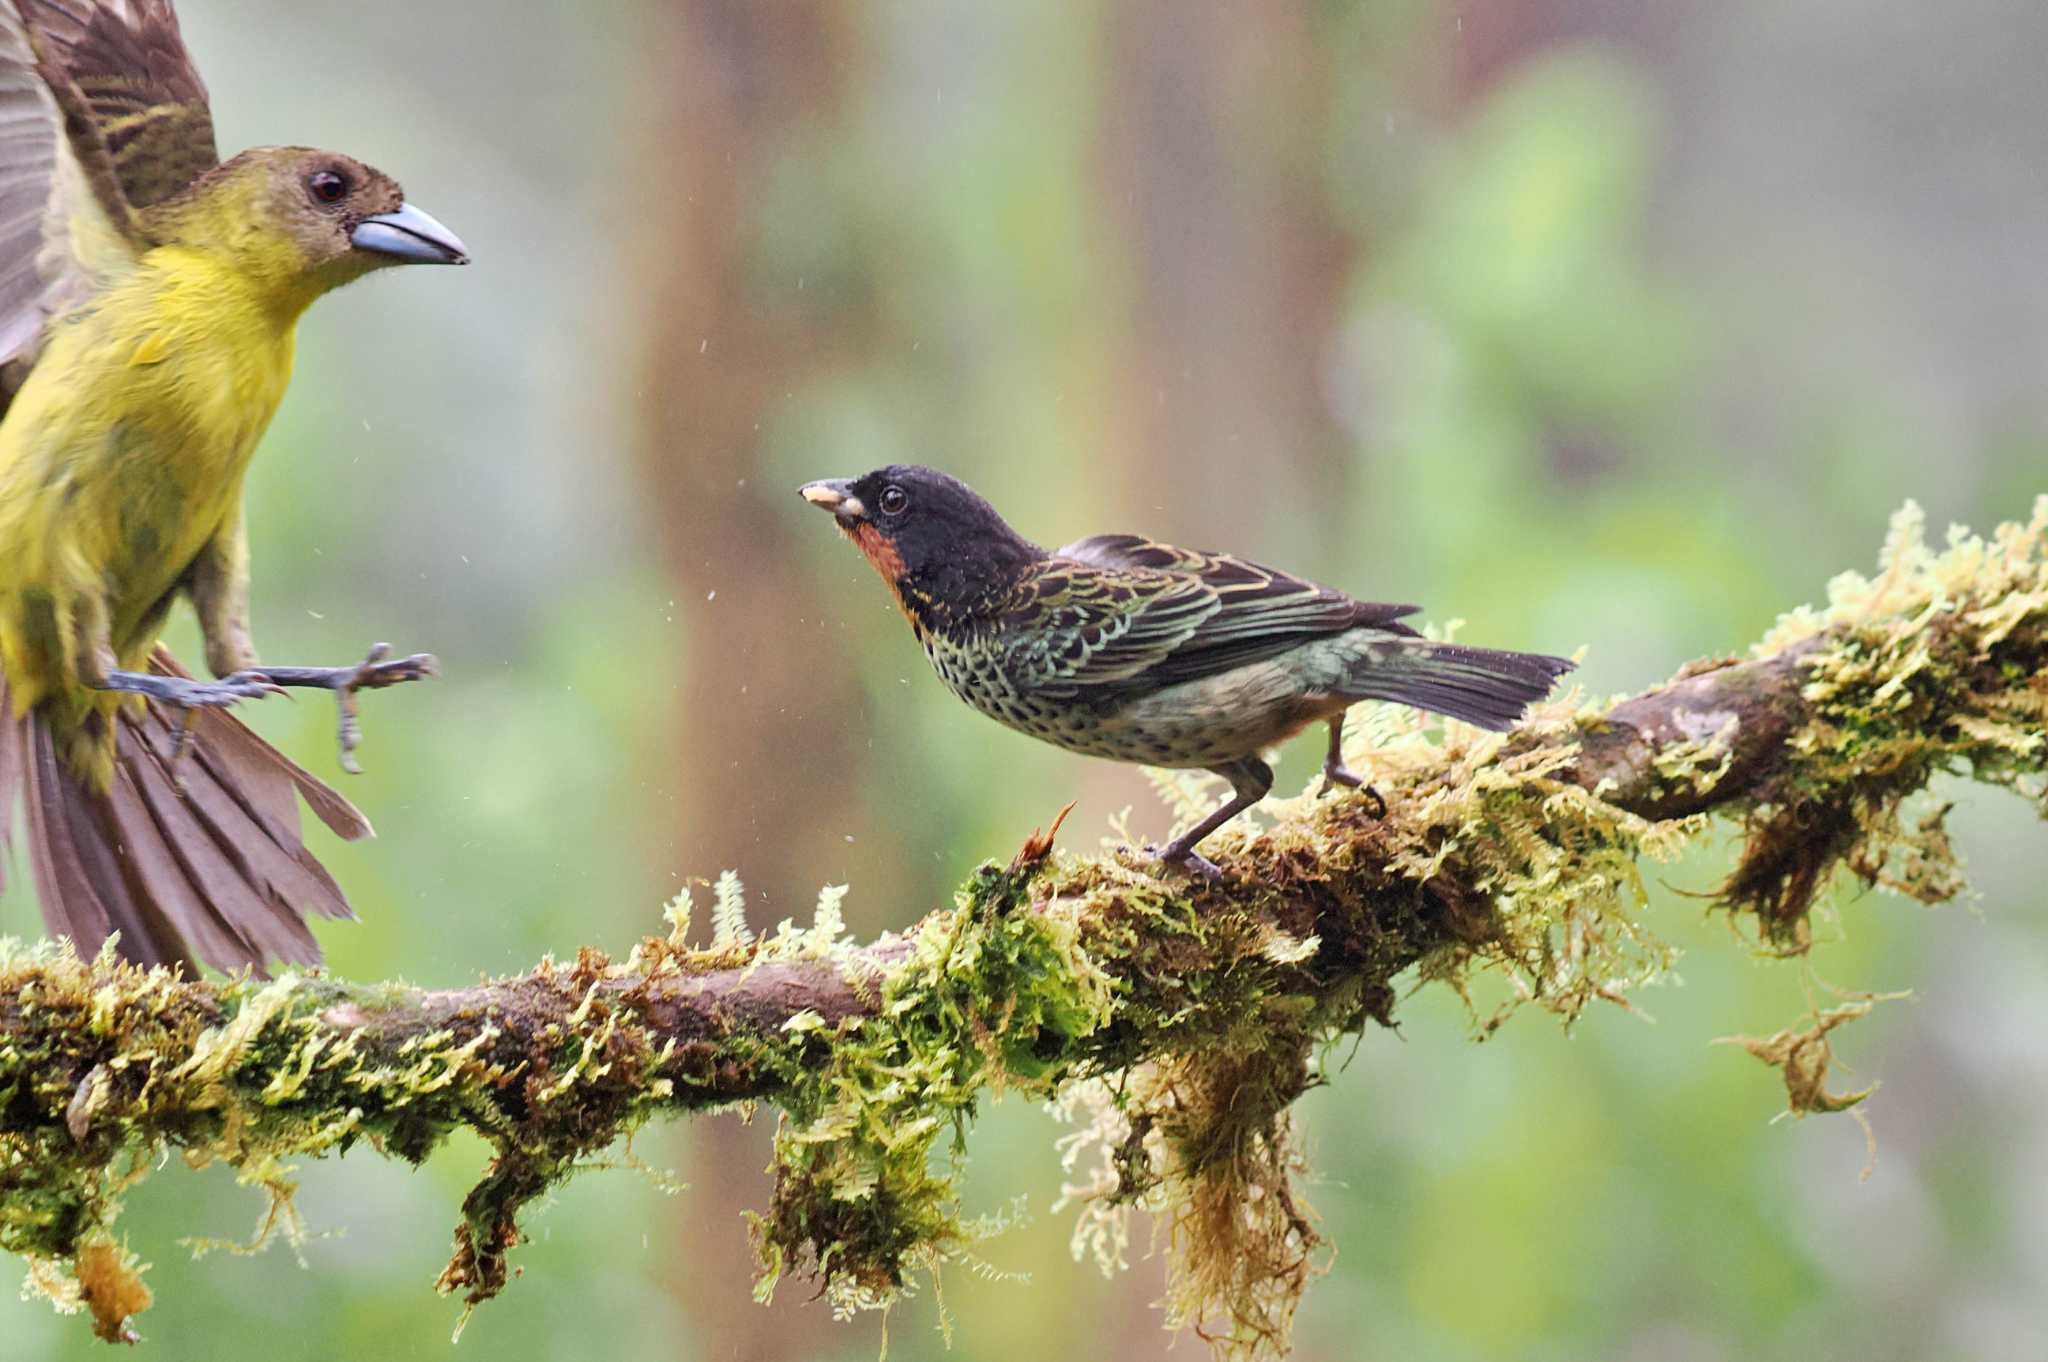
(1588, 322)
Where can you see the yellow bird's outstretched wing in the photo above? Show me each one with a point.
(135, 88)
(101, 114)
(42, 193)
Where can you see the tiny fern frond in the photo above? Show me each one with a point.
(830, 923)
(677, 914)
(729, 911)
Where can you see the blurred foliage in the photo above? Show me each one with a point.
(1630, 326)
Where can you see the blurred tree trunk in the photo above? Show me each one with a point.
(1212, 175)
(1212, 123)
(1212, 187)
(773, 772)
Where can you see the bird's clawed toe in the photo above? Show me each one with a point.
(1337, 774)
(180, 692)
(1186, 859)
(377, 670)
(218, 694)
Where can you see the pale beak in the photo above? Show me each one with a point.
(411, 236)
(834, 495)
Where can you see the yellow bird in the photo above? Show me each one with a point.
(149, 295)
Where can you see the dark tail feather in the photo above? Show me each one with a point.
(213, 872)
(1482, 686)
(78, 878)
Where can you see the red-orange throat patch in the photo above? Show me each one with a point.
(880, 550)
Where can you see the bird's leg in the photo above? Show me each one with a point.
(94, 664)
(1335, 772)
(374, 672)
(188, 695)
(218, 583)
(93, 659)
(181, 692)
(1251, 779)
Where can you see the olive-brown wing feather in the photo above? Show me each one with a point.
(42, 189)
(140, 89)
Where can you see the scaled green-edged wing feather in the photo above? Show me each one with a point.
(1072, 625)
(1235, 612)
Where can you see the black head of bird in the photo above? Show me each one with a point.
(939, 545)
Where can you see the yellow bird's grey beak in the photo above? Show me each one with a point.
(409, 236)
(834, 495)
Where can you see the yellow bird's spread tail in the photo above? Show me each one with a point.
(212, 872)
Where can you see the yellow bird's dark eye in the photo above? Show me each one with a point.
(895, 501)
(327, 186)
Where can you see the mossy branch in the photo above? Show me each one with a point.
(1177, 1020)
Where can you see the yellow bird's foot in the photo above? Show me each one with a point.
(190, 696)
(180, 692)
(374, 672)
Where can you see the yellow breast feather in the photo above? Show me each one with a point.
(124, 452)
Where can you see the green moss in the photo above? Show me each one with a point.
(1938, 664)
(990, 994)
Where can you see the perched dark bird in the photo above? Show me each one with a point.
(1120, 647)
(149, 298)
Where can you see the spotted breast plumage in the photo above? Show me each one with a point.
(1121, 647)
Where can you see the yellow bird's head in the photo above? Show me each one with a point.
(301, 221)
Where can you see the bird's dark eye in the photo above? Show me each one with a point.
(327, 186)
(895, 501)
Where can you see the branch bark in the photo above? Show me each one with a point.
(700, 1014)
(1205, 1002)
